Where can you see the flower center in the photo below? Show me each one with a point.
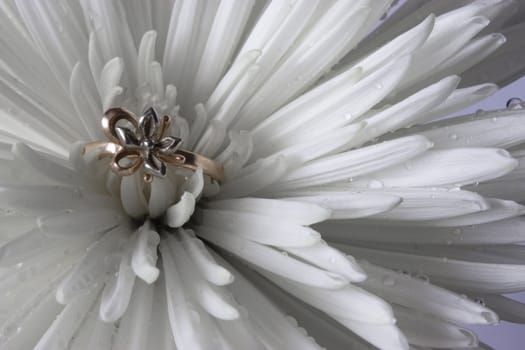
(145, 166)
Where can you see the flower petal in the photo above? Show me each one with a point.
(347, 165)
(259, 228)
(452, 167)
(296, 211)
(272, 260)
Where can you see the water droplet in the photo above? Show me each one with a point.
(453, 136)
(479, 301)
(423, 278)
(405, 273)
(408, 165)
(494, 119)
(515, 104)
(375, 184)
(480, 112)
(348, 116)
(379, 86)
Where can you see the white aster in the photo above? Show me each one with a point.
(349, 217)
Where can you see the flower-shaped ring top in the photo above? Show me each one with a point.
(144, 142)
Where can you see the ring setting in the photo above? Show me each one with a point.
(143, 142)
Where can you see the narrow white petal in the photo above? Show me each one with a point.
(497, 232)
(271, 320)
(162, 195)
(179, 213)
(498, 210)
(24, 328)
(144, 258)
(183, 325)
(24, 247)
(119, 287)
(483, 277)
(194, 184)
(65, 325)
(383, 336)
(75, 223)
(132, 197)
(296, 211)
(426, 331)
(461, 99)
(212, 299)
(411, 110)
(224, 34)
(473, 53)
(320, 47)
(134, 327)
(364, 306)
(421, 204)
(404, 44)
(452, 167)
(508, 309)
(318, 327)
(40, 166)
(501, 129)
(303, 109)
(418, 293)
(257, 177)
(92, 268)
(85, 100)
(350, 205)
(451, 32)
(507, 56)
(272, 260)
(354, 163)
(45, 24)
(108, 85)
(337, 102)
(330, 259)
(203, 260)
(260, 228)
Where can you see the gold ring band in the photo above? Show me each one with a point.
(145, 145)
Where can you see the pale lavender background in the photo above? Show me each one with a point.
(506, 336)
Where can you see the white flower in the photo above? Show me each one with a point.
(312, 119)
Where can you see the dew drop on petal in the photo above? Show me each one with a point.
(480, 112)
(515, 103)
(422, 277)
(375, 184)
(347, 116)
